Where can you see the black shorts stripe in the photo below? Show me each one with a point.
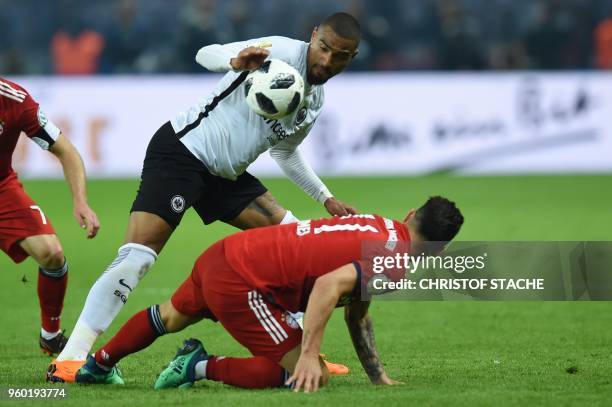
(237, 82)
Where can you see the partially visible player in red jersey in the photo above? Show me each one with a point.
(25, 230)
(253, 281)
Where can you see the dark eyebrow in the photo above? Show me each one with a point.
(339, 51)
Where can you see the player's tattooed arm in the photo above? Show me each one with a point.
(362, 333)
(361, 330)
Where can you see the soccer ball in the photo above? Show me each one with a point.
(274, 90)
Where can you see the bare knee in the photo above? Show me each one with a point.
(53, 257)
(148, 230)
(173, 320)
(170, 317)
(47, 251)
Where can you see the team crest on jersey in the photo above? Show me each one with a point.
(300, 116)
(177, 203)
(42, 118)
(290, 320)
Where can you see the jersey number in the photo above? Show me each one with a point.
(343, 228)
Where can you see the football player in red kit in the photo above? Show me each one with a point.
(25, 230)
(253, 281)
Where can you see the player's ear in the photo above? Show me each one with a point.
(315, 30)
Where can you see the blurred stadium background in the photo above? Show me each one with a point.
(501, 105)
(161, 36)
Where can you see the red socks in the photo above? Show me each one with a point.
(136, 334)
(51, 291)
(146, 326)
(249, 373)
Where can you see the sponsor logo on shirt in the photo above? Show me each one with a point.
(278, 132)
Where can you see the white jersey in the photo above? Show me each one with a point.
(227, 136)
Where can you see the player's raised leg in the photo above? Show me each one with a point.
(147, 234)
(171, 182)
(52, 282)
(186, 307)
(136, 334)
(26, 231)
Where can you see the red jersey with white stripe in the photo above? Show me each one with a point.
(20, 113)
(283, 262)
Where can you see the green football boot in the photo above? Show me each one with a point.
(181, 370)
(91, 373)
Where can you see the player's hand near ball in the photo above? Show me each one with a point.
(307, 374)
(338, 208)
(249, 58)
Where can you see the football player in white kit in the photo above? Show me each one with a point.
(199, 159)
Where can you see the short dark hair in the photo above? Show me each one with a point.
(343, 24)
(439, 219)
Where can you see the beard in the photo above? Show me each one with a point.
(314, 79)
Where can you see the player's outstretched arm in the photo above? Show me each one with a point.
(249, 59)
(294, 165)
(327, 290)
(338, 208)
(74, 172)
(360, 327)
(237, 56)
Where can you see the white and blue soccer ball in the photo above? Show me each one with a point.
(274, 90)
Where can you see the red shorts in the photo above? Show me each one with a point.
(20, 218)
(215, 288)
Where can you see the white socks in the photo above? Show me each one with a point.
(106, 298)
(289, 218)
(200, 369)
(48, 335)
(79, 343)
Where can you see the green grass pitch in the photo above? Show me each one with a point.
(446, 353)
